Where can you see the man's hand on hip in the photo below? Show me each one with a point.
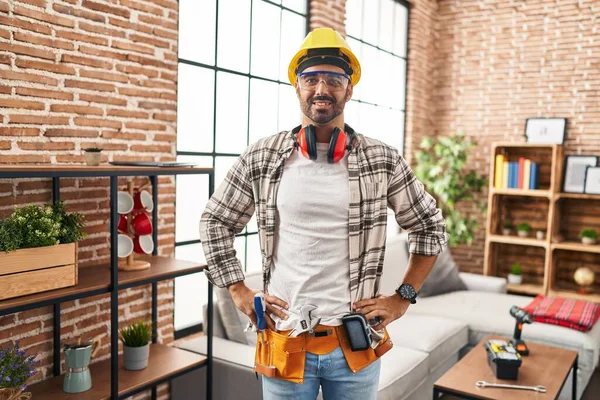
(243, 297)
(387, 308)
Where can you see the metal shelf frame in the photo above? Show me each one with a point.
(113, 289)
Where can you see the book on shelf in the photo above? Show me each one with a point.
(520, 174)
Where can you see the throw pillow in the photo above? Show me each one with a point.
(234, 321)
(443, 278)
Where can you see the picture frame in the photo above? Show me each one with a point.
(545, 130)
(574, 172)
(592, 180)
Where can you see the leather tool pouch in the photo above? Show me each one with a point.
(280, 356)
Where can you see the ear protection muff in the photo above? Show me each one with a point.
(307, 143)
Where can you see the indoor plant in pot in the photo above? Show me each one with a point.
(136, 345)
(588, 236)
(523, 229)
(507, 228)
(92, 156)
(516, 274)
(16, 367)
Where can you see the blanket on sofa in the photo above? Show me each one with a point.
(576, 314)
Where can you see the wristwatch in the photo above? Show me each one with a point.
(408, 292)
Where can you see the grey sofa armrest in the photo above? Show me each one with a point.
(483, 283)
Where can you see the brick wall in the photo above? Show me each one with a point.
(498, 63)
(79, 73)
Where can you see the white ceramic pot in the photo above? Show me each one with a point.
(136, 358)
(515, 279)
(92, 158)
(506, 232)
(540, 235)
(587, 240)
(522, 233)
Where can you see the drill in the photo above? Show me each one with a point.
(522, 317)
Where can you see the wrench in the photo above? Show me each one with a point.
(306, 323)
(483, 384)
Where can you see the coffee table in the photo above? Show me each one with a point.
(545, 365)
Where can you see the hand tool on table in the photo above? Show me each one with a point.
(306, 323)
(484, 384)
(522, 317)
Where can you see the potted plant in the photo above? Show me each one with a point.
(506, 230)
(16, 367)
(516, 274)
(540, 234)
(136, 345)
(92, 156)
(588, 236)
(39, 240)
(523, 229)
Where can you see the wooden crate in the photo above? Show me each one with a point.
(34, 270)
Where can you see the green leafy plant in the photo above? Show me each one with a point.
(589, 233)
(92, 150)
(524, 227)
(39, 226)
(136, 335)
(441, 165)
(71, 225)
(508, 225)
(516, 269)
(16, 367)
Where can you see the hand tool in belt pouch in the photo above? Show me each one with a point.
(259, 308)
(306, 323)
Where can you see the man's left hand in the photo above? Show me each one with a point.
(387, 308)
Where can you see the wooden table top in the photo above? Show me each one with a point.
(545, 365)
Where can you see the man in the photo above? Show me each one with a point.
(321, 193)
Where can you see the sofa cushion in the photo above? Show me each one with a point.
(402, 371)
(443, 278)
(440, 337)
(235, 321)
(240, 354)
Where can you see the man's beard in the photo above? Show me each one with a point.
(322, 116)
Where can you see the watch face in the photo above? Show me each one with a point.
(407, 291)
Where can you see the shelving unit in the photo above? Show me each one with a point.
(548, 263)
(110, 379)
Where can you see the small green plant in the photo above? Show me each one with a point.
(589, 233)
(92, 150)
(16, 367)
(516, 269)
(136, 335)
(39, 226)
(524, 227)
(508, 225)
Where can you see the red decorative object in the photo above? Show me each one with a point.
(576, 314)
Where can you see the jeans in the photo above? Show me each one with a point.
(331, 372)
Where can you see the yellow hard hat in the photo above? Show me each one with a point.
(325, 46)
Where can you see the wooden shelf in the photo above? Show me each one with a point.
(522, 192)
(525, 288)
(569, 290)
(165, 363)
(79, 170)
(576, 246)
(582, 196)
(95, 280)
(524, 144)
(518, 240)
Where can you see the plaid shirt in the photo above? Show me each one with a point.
(378, 178)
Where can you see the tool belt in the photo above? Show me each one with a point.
(283, 357)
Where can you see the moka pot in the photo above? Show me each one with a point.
(77, 357)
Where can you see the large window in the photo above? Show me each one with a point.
(232, 90)
(377, 32)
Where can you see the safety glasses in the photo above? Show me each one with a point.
(335, 81)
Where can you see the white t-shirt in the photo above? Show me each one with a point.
(311, 254)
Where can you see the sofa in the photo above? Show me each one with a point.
(428, 340)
